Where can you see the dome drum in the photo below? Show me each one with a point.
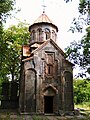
(42, 32)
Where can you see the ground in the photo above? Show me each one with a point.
(13, 115)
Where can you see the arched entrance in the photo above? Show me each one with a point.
(49, 98)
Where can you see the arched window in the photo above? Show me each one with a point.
(39, 34)
(47, 32)
(33, 36)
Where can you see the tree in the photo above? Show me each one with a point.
(79, 53)
(81, 91)
(14, 38)
(5, 7)
(84, 6)
(83, 18)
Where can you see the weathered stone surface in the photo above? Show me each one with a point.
(46, 77)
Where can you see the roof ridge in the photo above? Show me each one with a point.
(50, 40)
(40, 46)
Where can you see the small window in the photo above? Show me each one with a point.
(46, 36)
(49, 63)
(47, 31)
(50, 70)
(33, 35)
(39, 34)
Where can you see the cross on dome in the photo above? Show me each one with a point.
(44, 6)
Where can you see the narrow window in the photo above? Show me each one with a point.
(39, 34)
(50, 63)
(46, 36)
(47, 31)
(50, 69)
(33, 35)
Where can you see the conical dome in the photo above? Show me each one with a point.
(43, 19)
(42, 29)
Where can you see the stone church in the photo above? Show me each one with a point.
(46, 78)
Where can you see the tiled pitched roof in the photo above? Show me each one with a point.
(45, 43)
(43, 18)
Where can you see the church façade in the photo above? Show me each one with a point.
(46, 78)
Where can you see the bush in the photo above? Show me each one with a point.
(81, 91)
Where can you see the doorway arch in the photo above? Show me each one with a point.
(49, 96)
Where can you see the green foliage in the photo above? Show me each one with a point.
(79, 53)
(84, 6)
(83, 19)
(81, 91)
(85, 105)
(5, 7)
(13, 39)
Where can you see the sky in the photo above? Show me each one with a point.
(58, 11)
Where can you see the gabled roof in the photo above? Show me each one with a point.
(55, 45)
(45, 43)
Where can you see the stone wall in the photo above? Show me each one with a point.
(45, 76)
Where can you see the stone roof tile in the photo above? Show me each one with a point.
(43, 18)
